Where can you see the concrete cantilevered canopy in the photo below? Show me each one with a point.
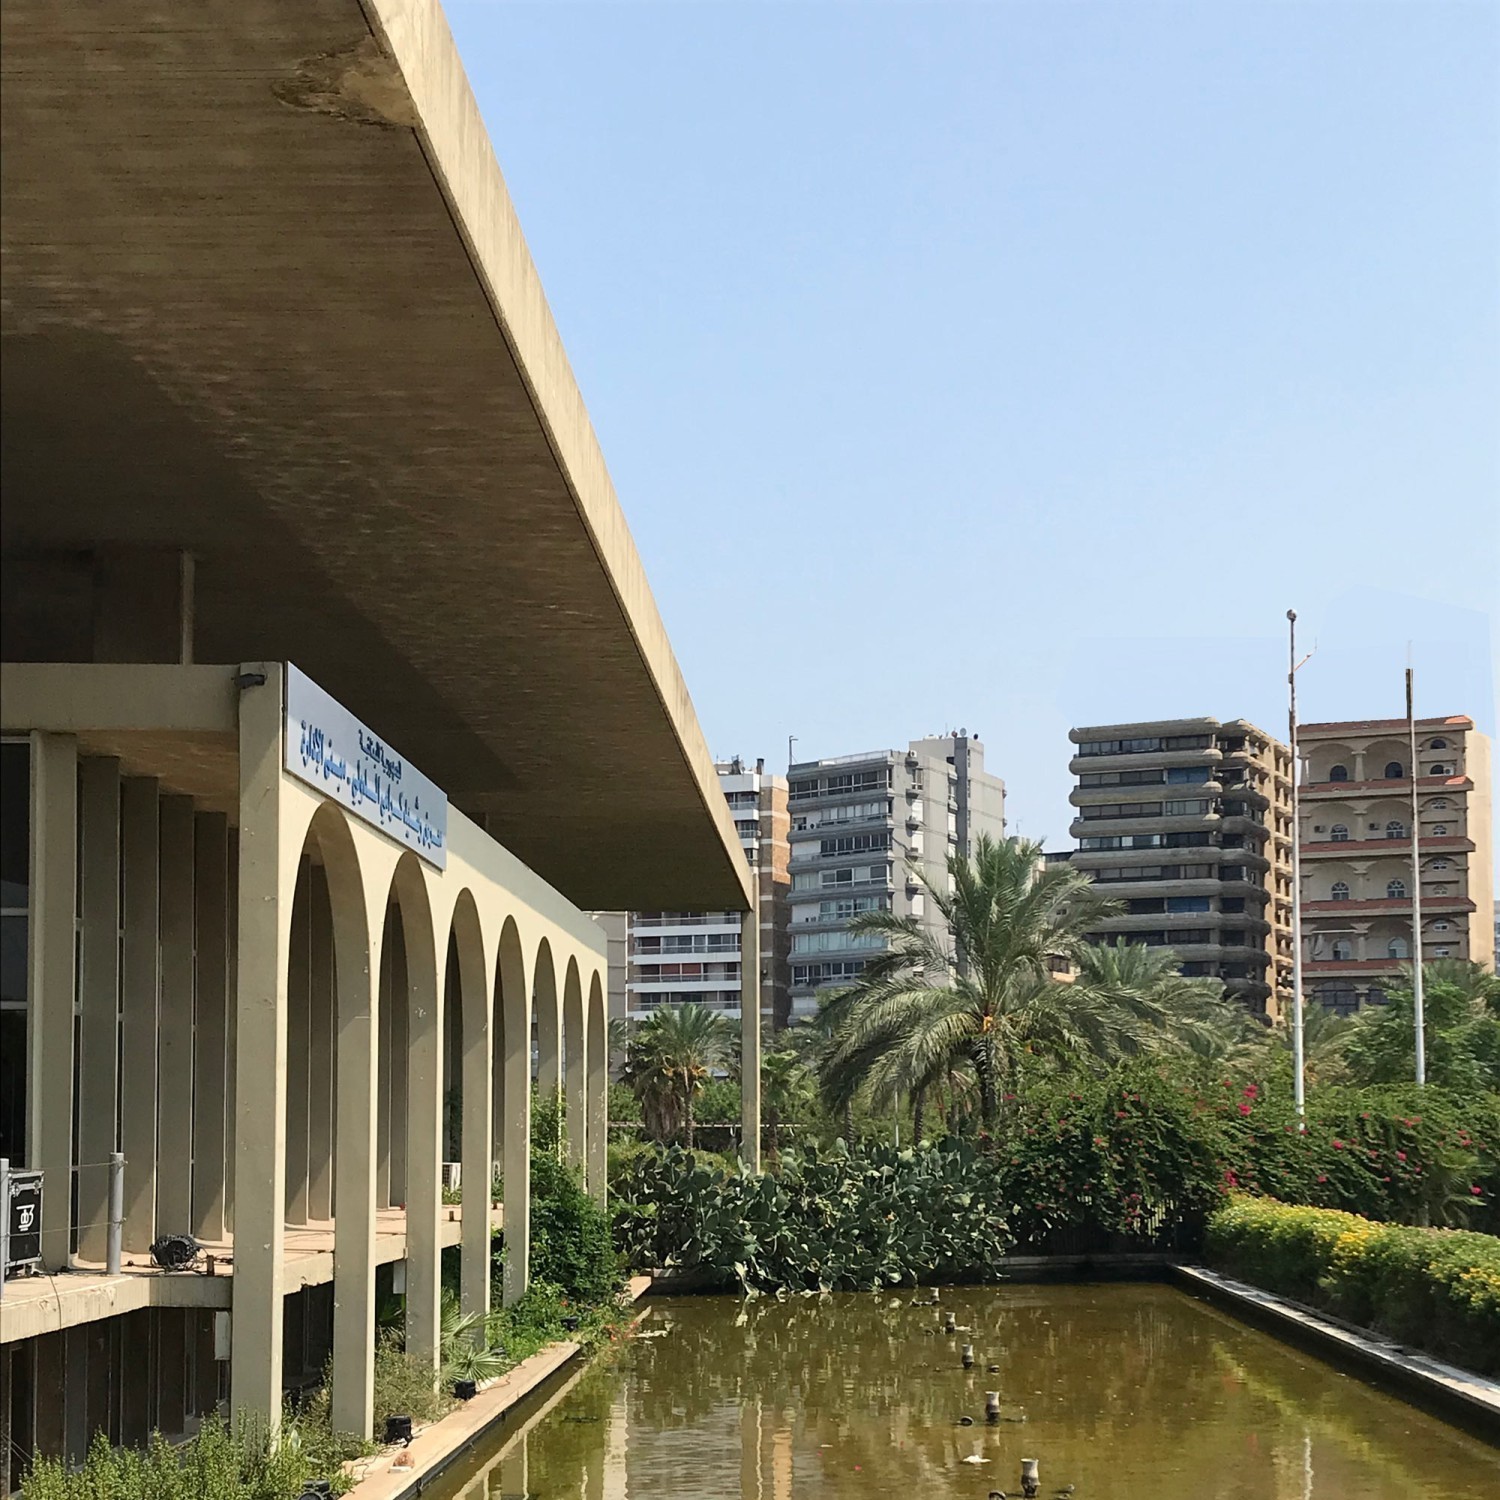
(266, 300)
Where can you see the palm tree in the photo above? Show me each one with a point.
(985, 992)
(667, 1061)
(1178, 1011)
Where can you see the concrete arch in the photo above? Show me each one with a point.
(408, 894)
(598, 1088)
(355, 961)
(575, 1053)
(468, 988)
(512, 1008)
(547, 1017)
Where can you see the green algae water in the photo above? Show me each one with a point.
(1121, 1392)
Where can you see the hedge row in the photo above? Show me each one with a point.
(1433, 1289)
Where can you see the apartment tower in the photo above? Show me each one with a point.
(1187, 823)
(1357, 852)
(862, 827)
(693, 958)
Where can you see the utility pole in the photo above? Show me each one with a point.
(1298, 1052)
(1418, 1005)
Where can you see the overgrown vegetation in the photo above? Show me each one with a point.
(824, 1221)
(1434, 1289)
(217, 1464)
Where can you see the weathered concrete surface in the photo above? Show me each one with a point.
(266, 300)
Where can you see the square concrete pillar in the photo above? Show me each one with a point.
(354, 1169)
(266, 881)
(140, 833)
(320, 1058)
(174, 1098)
(210, 1058)
(99, 998)
(517, 1164)
(474, 1285)
(50, 984)
(750, 1038)
(597, 1146)
(298, 1055)
(424, 1142)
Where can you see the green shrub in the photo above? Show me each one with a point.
(217, 1464)
(836, 1220)
(1435, 1289)
(571, 1246)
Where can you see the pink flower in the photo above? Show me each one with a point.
(1338, 1145)
(1322, 1176)
(1477, 1191)
(1401, 1156)
(1244, 1109)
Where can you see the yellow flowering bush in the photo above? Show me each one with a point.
(1434, 1289)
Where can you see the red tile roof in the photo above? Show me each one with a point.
(1360, 726)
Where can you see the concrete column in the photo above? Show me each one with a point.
(50, 983)
(230, 1013)
(424, 1150)
(474, 997)
(575, 1085)
(320, 1052)
(355, 974)
(210, 1060)
(265, 894)
(174, 1095)
(400, 1044)
(750, 1038)
(517, 1159)
(298, 1035)
(548, 1041)
(98, 998)
(385, 1066)
(597, 1174)
(140, 831)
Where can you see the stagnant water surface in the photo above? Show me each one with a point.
(1123, 1392)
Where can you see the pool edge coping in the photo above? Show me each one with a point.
(1470, 1401)
(440, 1444)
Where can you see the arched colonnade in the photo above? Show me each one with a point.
(387, 1007)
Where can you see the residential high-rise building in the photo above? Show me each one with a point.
(1357, 853)
(861, 828)
(1188, 824)
(682, 958)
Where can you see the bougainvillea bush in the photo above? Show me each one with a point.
(1435, 1289)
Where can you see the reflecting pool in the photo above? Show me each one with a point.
(1123, 1392)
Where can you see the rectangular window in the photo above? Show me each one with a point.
(1186, 808)
(1187, 775)
(1188, 840)
(15, 893)
(1187, 903)
(1121, 810)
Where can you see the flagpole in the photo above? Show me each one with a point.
(1418, 1005)
(1298, 1057)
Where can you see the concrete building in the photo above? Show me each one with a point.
(862, 826)
(693, 958)
(1187, 822)
(280, 385)
(1357, 855)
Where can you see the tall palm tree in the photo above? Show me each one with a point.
(667, 1062)
(984, 991)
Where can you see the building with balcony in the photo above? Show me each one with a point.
(693, 958)
(862, 828)
(1357, 875)
(1187, 824)
(285, 946)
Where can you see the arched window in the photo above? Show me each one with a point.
(1443, 770)
(1439, 864)
(1396, 948)
(1437, 803)
(1394, 770)
(1339, 891)
(1338, 773)
(1437, 744)
(1440, 890)
(1343, 950)
(1395, 890)
(1441, 926)
(1338, 833)
(1439, 830)
(1395, 829)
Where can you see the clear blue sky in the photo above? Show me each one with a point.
(1017, 365)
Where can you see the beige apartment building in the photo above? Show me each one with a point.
(1356, 851)
(1187, 823)
(326, 655)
